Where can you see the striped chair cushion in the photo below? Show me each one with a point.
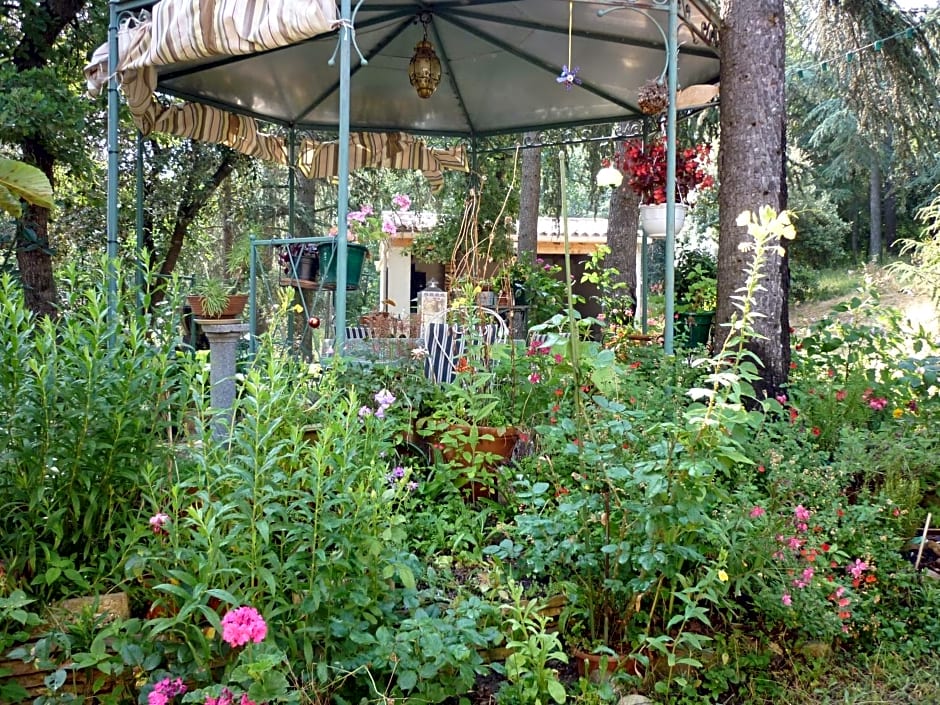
(445, 345)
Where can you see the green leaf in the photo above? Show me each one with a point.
(19, 180)
(557, 691)
(407, 577)
(407, 680)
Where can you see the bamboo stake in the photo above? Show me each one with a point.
(923, 540)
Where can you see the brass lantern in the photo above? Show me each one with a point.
(424, 70)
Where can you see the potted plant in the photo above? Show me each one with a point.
(367, 230)
(697, 304)
(644, 167)
(466, 421)
(300, 261)
(221, 297)
(216, 299)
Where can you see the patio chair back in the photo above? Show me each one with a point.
(445, 344)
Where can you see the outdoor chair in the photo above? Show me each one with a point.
(445, 344)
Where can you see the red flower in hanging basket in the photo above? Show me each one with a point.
(644, 166)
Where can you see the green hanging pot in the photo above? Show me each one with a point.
(355, 258)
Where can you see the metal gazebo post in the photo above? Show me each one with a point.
(112, 193)
(672, 41)
(342, 205)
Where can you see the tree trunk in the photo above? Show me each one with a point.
(33, 253)
(890, 215)
(874, 205)
(623, 221)
(529, 192)
(751, 173)
(186, 212)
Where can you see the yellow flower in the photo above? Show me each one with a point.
(722, 575)
(898, 413)
(298, 308)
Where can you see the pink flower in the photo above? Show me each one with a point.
(535, 378)
(781, 398)
(878, 403)
(794, 543)
(801, 513)
(757, 512)
(857, 568)
(786, 599)
(225, 698)
(158, 522)
(388, 226)
(401, 201)
(558, 358)
(163, 691)
(840, 395)
(242, 625)
(804, 580)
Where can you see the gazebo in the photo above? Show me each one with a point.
(426, 67)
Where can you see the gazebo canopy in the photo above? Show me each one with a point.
(500, 62)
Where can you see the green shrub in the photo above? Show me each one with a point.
(88, 401)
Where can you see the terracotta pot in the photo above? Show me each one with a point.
(591, 665)
(496, 443)
(236, 304)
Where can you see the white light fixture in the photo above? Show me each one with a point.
(609, 176)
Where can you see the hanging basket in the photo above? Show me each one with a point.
(653, 219)
(355, 257)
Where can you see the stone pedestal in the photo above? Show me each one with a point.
(223, 345)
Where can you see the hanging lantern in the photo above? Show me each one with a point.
(424, 70)
(609, 176)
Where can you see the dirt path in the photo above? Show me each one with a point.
(916, 308)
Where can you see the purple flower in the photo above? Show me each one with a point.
(412, 486)
(388, 226)
(364, 411)
(569, 78)
(401, 201)
(384, 398)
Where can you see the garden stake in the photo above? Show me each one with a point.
(923, 540)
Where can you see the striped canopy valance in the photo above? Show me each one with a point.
(184, 31)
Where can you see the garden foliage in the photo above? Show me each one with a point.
(324, 552)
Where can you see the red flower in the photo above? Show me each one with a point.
(644, 166)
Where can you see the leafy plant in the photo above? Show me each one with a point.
(701, 291)
(213, 295)
(532, 647)
(87, 404)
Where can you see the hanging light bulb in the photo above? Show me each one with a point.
(424, 70)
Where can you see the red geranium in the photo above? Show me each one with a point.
(644, 166)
